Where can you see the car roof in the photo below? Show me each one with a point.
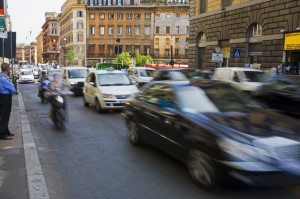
(175, 69)
(73, 67)
(239, 69)
(108, 71)
(199, 83)
(141, 67)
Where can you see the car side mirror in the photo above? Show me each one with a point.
(236, 79)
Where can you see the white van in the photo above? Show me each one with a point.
(244, 79)
(140, 75)
(74, 77)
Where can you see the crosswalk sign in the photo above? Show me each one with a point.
(236, 53)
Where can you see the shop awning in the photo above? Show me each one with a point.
(3, 24)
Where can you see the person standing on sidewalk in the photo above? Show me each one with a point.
(6, 90)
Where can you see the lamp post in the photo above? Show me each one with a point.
(172, 61)
(64, 49)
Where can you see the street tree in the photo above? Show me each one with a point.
(70, 56)
(124, 58)
(141, 60)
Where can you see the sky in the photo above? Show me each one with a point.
(29, 15)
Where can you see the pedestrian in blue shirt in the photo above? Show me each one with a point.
(6, 89)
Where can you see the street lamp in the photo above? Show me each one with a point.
(172, 61)
(64, 49)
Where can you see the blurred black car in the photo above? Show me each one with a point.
(281, 93)
(217, 131)
(180, 74)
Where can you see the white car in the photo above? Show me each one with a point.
(108, 89)
(26, 76)
(140, 75)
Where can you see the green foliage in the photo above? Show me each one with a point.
(141, 60)
(70, 56)
(125, 57)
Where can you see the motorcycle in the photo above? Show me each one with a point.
(42, 88)
(57, 109)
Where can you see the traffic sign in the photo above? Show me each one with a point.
(217, 57)
(236, 53)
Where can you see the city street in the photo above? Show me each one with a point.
(91, 158)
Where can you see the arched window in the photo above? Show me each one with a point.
(254, 50)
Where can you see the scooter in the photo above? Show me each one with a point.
(57, 109)
(42, 88)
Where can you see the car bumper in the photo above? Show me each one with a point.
(114, 104)
(77, 90)
(26, 81)
(259, 174)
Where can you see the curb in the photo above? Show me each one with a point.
(35, 177)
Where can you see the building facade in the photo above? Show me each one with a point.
(134, 27)
(23, 52)
(72, 22)
(39, 49)
(252, 33)
(50, 31)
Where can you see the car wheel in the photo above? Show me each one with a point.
(84, 102)
(98, 106)
(133, 133)
(201, 169)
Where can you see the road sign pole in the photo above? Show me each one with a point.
(235, 62)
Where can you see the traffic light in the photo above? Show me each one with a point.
(2, 7)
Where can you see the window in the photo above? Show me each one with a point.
(120, 16)
(137, 50)
(167, 41)
(158, 15)
(129, 16)
(137, 30)
(101, 48)
(101, 30)
(156, 41)
(100, 2)
(92, 30)
(109, 2)
(147, 15)
(92, 16)
(176, 40)
(156, 52)
(147, 30)
(187, 29)
(226, 3)
(79, 37)
(128, 30)
(157, 29)
(137, 16)
(79, 25)
(146, 51)
(110, 16)
(120, 30)
(168, 30)
(177, 15)
(111, 30)
(202, 6)
(176, 52)
(177, 29)
(186, 52)
(79, 14)
(167, 52)
(119, 2)
(102, 16)
(168, 16)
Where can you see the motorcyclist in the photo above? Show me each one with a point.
(42, 78)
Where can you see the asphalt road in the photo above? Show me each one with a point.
(92, 159)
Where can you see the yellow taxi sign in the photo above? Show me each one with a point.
(292, 41)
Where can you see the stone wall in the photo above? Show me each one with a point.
(233, 24)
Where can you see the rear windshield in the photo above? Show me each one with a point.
(78, 73)
(254, 76)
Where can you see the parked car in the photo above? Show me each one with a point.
(180, 74)
(217, 131)
(281, 93)
(36, 73)
(26, 76)
(244, 79)
(74, 77)
(108, 89)
(140, 75)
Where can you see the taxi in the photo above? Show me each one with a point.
(107, 89)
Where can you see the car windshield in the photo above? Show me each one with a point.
(78, 73)
(254, 76)
(52, 72)
(145, 72)
(113, 79)
(44, 67)
(26, 72)
(192, 74)
(177, 75)
(214, 99)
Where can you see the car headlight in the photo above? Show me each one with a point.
(60, 99)
(241, 151)
(73, 83)
(108, 96)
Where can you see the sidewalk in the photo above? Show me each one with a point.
(21, 175)
(13, 175)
